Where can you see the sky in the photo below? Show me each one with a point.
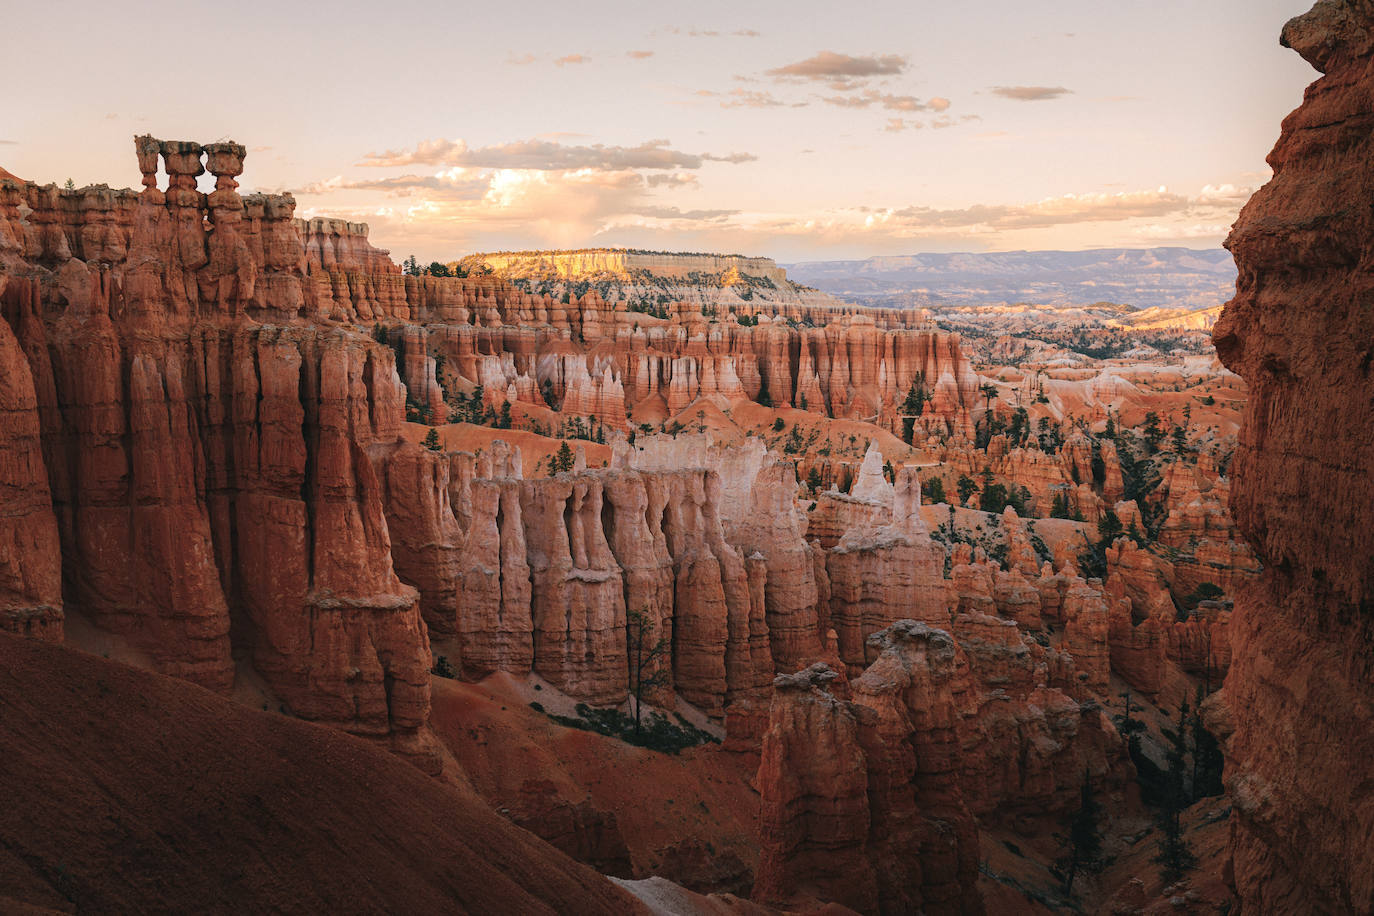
(797, 130)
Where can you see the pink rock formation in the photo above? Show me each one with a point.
(211, 477)
(30, 563)
(878, 577)
(813, 781)
(924, 841)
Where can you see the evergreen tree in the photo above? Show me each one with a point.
(561, 461)
(1207, 758)
(643, 652)
(1083, 842)
(966, 488)
(432, 440)
(813, 480)
(504, 421)
(1153, 433)
(1175, 855)
(933, 490)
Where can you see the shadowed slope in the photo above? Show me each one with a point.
(129, 791)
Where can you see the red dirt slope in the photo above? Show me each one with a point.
(127, 791)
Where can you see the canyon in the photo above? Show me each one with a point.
(623, 576)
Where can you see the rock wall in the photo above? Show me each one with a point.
(211, 475)
(860, 799)
(1298, 332)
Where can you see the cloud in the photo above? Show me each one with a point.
(520, 61)
(9, 142)
(567, 59)
(1052, 211)
(544, 155)
(840, 70)
(675, 214)
(714, 33)
(639, 55)
(748, 98)
(732, 158)
(670, 179)
(886, 100)
(896, 125)
(453, 184)
(1030, 93)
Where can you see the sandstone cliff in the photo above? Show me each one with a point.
(1299, 331)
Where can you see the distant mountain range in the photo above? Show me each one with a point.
(1174, 278)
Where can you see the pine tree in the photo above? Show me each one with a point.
(1153, 433)
(1083, 843)
(1175, 855)
(561, 461)
(1207, 758)
(643, 652)
(432, 440)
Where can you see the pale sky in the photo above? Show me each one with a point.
(795, 130)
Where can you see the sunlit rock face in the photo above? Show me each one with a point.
(1299, 332)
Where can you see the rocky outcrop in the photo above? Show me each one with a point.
(861, 800)
(924, 841)
(1025, 743)
(813, 781)
(212, 477)
(1298, 332)
(878, 576)
(31, 569)
(1198, 532)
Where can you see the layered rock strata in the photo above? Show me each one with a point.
(1298, 332)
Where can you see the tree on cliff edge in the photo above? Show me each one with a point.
(643, 653)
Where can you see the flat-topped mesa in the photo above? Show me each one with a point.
(623, 263)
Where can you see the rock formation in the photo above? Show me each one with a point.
(880, 575)
(861, 800)
(212, 477)
(1298, 332)
(815, 814)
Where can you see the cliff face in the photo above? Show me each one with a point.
(860, 799)
(1299, 332)
(211, 476)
